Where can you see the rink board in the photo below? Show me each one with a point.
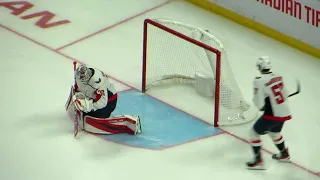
(163, 126)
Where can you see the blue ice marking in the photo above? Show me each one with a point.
(163, 126)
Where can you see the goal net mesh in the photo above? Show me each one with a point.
(175, 51)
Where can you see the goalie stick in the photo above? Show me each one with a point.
(298, 89)
(76, 123)
(78, 114)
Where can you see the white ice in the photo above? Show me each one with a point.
(36, 136)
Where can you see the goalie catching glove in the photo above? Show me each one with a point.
(81, 103)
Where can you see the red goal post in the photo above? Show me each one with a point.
(173, 52)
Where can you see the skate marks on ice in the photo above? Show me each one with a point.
(163, 126)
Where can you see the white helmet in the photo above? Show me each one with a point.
(263, 63)
(83, 73)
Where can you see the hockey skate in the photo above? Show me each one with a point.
(282, 156)
(256, 164)
(139, 129)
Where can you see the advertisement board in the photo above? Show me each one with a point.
(296, 19)
(299, 19)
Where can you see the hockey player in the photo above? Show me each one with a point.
(93, 98)
(270, 96)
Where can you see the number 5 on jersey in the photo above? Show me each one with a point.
(277, 92)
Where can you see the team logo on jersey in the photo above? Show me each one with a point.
(98, 81)
(101, 92)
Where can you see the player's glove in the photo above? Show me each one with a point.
(81, 103)
(79, 95)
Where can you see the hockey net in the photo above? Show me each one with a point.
(173, 52)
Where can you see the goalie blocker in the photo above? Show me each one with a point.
(92, 107)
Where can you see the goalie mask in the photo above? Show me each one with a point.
(263, 63)
(83, 73)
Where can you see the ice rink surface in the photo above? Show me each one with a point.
(36, 70)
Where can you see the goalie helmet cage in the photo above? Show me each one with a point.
(173, 52)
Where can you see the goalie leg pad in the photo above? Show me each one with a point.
(115, 125)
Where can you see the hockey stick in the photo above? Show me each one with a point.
(76, 123)
(298, 89)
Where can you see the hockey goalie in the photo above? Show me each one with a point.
(91, 101)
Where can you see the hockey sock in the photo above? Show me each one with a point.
(256, 144)
(256, 149)
(281, 147)
(278, 141)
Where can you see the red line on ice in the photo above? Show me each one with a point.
(112, 26)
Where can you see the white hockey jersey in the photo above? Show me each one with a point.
(99, 90)
(270, 94)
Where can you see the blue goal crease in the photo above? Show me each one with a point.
(163, 126)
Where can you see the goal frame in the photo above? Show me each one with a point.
(190, 40)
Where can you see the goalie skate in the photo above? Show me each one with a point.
(139, 130)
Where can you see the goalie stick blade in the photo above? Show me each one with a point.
(76, 125)
(298, 89)
(77, 133)
(76, 122)
(76, 128)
